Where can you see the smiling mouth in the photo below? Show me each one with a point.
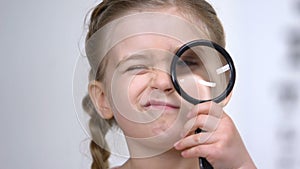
(160, 105)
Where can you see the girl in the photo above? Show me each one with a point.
(130, 44)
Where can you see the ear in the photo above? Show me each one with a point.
(99, 99)
(226, 100)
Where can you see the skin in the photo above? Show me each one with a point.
(221, 144)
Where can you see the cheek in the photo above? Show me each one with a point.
(136, 88)
(195, 87)
(131, 128)
(129, 89)
(125, 100)
(203, 92)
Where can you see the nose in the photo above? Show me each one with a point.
(161, 80)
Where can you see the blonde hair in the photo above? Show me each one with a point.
(109, 10)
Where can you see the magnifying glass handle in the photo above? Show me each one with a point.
(204, 164)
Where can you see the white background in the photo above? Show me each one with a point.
(39, 47)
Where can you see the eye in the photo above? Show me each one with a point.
(137, 69)
(188, 62)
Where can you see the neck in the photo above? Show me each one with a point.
(170, 159)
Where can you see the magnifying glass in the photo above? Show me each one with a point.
(202, 71)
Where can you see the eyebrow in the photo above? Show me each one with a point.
(135, 56)
(143, 55)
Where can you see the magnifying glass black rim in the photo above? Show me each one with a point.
(207, 43)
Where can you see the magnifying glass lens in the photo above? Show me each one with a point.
(202, 72)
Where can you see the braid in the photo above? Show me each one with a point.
(98, 127)
(100, 156)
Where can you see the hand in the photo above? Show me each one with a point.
(220, 144)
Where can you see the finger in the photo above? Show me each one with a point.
(197, 151)
(194, 140)
(204, 122)
(208, 108)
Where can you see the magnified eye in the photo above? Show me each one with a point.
(189, 62)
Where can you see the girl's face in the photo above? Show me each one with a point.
(144, 101)
(143, 98)
(140, 92)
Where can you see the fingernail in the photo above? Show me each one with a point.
(176, 144)
(182, 134)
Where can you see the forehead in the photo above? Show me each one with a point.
(149, 44)
(146, 42)
(139, 26)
